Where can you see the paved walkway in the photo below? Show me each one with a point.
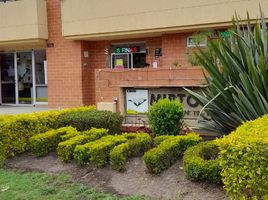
(20, 109)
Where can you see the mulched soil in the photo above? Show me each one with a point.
(171, 184)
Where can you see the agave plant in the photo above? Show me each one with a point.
(236, 75)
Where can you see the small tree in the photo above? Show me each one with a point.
(165, 117)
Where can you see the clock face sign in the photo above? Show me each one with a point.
(137, 100)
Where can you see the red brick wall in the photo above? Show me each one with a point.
(64, 63)
(174, 47)
(97, 59)
(108, 83)
(72, 80)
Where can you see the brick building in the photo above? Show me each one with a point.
(119, 54)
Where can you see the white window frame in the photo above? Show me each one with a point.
(202, 44)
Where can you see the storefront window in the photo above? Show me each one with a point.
(41, 76)
(7, 78)
(128, 56)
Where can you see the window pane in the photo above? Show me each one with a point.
(41, 75)
(7, 78)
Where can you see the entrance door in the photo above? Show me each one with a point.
(7, 78)
(25, 77)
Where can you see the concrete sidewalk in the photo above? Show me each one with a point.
(21, 109)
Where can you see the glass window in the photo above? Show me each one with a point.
(129, 55)
(139, 60)
(7, 78)
(41, 75)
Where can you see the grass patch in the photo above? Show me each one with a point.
(19, 185)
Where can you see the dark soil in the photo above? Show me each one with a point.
(172, 184)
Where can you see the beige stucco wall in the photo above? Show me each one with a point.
(23, 24)
(99, 19)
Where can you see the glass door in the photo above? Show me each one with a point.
(7, 78)
(24, 77)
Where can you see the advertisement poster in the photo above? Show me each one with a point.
(137, 100)
(119, 63)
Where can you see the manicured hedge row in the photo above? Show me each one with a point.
(244, 159)
(168, 152)
(98, 119)
(15, 130)
(41, 144)
(158, 140)
(97, 152)
(201, 163)
(66, 148)
(137, 144)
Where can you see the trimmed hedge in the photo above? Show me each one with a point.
(165, 117)
(99, 119)
(15, 130)
(137, 144)
(201, 163)
(66, 148)
(159, 139)
(41, 144)
(97, 152)
(118, 156)
(168, 152)
(244, 159)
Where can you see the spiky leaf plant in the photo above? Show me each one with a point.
(237, 80)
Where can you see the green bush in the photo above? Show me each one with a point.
(70, 135)
(2, 154)
(41, 144)
(244, 159)
(137, 144)
(97, 152)
(168, 152)
(66, 148)
(15, 130)
(201, 163)
(118, 156)
(99, 119)
(159, 139)
(165, 117)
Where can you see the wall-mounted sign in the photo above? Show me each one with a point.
(127, 49)
(50, 45)
(158, 52)
(225, 34)
(191, 107)
(217, 34)
(137, 100)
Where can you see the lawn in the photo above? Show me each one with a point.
(19, 185)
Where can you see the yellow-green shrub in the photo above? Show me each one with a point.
(159, 139)
(118, 156)
(244, 159)
(137, 144)
(201, 163)
(15, 130)
(41, 144)
(2, 155)
(97, 152)
(168, 152)
(66, 148)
